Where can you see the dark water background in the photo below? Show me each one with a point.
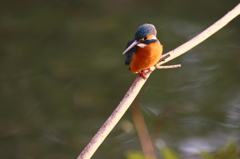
(62, 74)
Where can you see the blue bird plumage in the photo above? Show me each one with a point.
(129, 53)
(144, 31)
(144, 50)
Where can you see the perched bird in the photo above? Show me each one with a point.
(144, 51)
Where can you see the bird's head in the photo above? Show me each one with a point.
(143, 33)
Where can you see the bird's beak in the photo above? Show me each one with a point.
(131, 46)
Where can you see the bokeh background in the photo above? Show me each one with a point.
(62, 74)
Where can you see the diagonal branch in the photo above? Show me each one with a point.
(169, 66)
(139, 82)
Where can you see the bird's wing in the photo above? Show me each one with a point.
(130, 52)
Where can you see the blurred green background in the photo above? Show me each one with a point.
(62, 74)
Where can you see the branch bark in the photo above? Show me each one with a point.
(139, 82)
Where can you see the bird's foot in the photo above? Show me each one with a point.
(142, 74)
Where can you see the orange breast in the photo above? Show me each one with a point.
(146, 57)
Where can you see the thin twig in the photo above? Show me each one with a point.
(169, 66)
(139, 82)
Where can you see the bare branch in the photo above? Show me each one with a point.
(169, 66)
(139, 82)
(202, 36)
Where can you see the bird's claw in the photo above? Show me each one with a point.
(143, 74)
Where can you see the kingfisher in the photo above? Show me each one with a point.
(144, 51)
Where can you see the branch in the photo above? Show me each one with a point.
(202, 36)
(142, 131)
(167, 67)
(139, 82)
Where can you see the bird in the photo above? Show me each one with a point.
(144, 51)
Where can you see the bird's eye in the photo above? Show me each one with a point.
(143, 39)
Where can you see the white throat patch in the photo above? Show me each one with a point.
(141, 45)
(154, 37)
